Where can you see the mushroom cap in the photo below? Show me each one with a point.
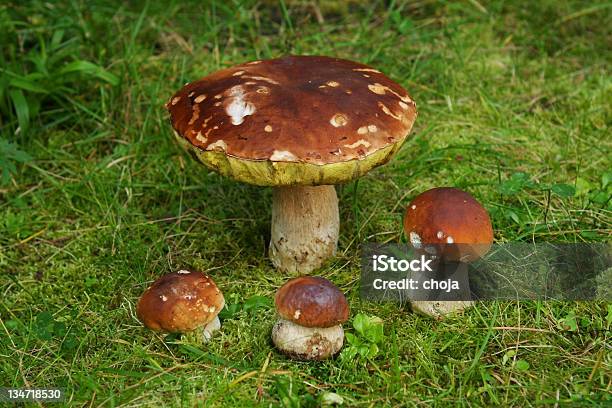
(180, 302)
(450, 220)
(311, 301)
(296, 120)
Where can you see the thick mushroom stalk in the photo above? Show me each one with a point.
(202, 335)
(439, 309)
(307, 343)
(305, 227)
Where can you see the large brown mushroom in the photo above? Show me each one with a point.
(450, 224)
(311, 311)
(182, 302)
(300, 124)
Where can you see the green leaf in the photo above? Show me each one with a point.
(352, 339)
(27, 85)
(516, 183)
(509, 354)
(583, 186)
(521, 365)
(599, 197)
(606, 178)
(512, 215)
(363, 350)
(569, 322)
(20, 104)
(11, 324)
(230, 310)
(348, 353)
(360, 323)
(563, 190)
(9, 153)
(89, 68)
(373, 351)
(256, 302)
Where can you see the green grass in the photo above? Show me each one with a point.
(98, 200)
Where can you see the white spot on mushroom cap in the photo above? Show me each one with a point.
(358, 143)
(387, 111)
(333, 84)
(238, 108)
(268, 128)
(450, 240)
(195, 115)
(200, 139)
(238, 73)
(175, 100)
(403, 105)
(415, 240)
(184, 272)
(219, 145)
(163, 298)
(283, 155)
(365, 129)
(380, 89)
(367, 70)
(199, 98)
(264, 90)
(440, 235)
(297, 314)
(338, 120)
(190, 94)
(413, 207)
(260, 78)
(377, 88)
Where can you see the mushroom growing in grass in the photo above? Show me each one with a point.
(311, 311)
(453, 225)
(300, 124)
(182, 302)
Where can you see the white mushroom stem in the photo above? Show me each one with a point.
(210, 328)
(305, 227)
(439, 309)
(202, 335)
(307, 343)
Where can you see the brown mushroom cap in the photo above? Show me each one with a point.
(180, 302)
(451, 220)
(311, 301)
(335, 119)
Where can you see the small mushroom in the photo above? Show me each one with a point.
(182, 302)
(300, 124)
(311, 312)
(453, 225)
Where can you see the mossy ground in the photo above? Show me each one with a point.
(512, 97)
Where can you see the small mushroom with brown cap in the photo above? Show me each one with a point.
(300, 124)
(311, 311)
(182, 302)
(449, 223)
